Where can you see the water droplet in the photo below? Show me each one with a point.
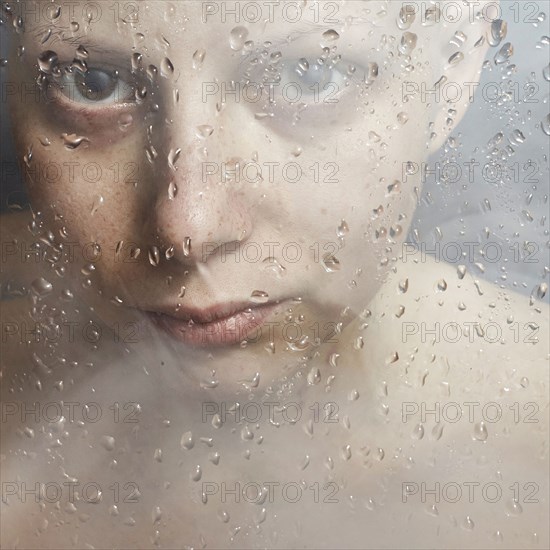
(461, 271)
(216, 421)
(198, 58)
(442, 285)
(513, 508)
(418, 432)
(393, 358)
(404, 286)
(237, 38)
(41, 287)
(517, 137)
(187, 246)
(314, 376)
(408, 43)
(173, 158)
(156, 514)
(497, 34)
(330, 263)
(302, 66)
(432, 510)
(259, 297)
(480, 432)
(224, 516)
(66, 295)
(400, 312)
(196, 474)
(182, 292)
(108, 442)
(27, 158)
(72, 141)
(542, 290)
(172, 190)
(468, 524)
(96, 204)
(343, 229)
(272, 264)
(154, 256)
(187, 441)
(546, 73)
(346, 452)
(402, 118)
(330, 36)
(545, 125)
(166, 68)
(46, 37)
(29, 432)
(406, 17)
(353, 395)
(125, 121)
(455, 59)
(204, 131)
(82, 52)
(48, 62)
(504, 54)
(214, 458)
(437, 431)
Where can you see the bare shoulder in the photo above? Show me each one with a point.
(459, 313)
(446, 335)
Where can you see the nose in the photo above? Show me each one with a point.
(196, 212)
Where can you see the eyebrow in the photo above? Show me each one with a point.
(311, 27)
(80, 40)
(286, 36)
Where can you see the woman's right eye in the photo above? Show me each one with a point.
(96, 86)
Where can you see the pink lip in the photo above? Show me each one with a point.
(222, 325)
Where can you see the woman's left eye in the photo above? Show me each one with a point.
(96, 86)
(312, 82)
(315, 81)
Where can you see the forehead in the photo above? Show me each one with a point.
(107, 24)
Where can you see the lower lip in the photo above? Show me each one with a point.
(228, 331)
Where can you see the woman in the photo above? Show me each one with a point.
(222, 340)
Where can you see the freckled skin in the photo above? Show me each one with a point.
(177, 383)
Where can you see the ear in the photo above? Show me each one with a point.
(463, 39)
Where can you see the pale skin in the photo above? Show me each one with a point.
(374, 382)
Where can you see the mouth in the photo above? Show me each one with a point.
(221, 325)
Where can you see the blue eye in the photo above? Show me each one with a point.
(96, 86)
(314, 82)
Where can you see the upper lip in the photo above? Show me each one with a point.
(208, 314)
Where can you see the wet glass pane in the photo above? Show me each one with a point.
(274, 274)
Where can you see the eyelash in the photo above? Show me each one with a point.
(66, 89)
(319, 94)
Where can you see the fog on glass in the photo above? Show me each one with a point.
(274, 274)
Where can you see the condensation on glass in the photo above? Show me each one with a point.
(274, 274)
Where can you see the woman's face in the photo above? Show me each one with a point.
(199, 159)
